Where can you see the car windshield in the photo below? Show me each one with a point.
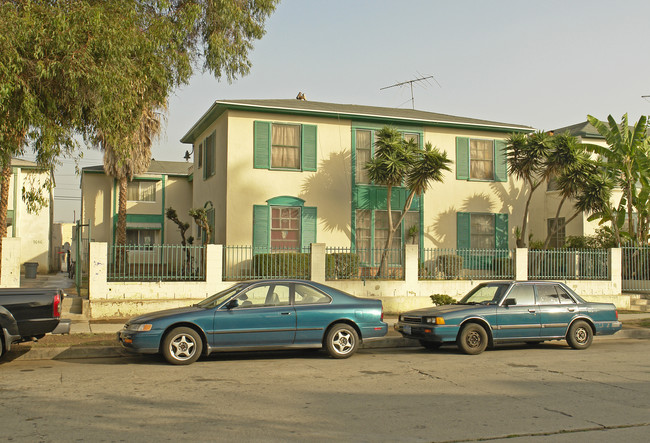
(486, 293)
(220, 297)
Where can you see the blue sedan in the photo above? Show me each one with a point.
(259, 315)
(502, 312)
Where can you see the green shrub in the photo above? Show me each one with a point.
(442, 299)
(342, 265)
(450, 265)
(290, 265)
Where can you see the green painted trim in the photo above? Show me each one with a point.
(144, 179)
(162, 233)
(13, 228)
(144, 218)
(285, 200)
(113, 216)
(217, 109)
(190, 178)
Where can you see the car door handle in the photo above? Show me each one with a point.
(285, 313)
(532, 311)
(571, 309)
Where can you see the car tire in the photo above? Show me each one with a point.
(182, 346)
(580, 335)
(472, 339)
(341, 341)
(430, 345)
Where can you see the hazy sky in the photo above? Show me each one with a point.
(545, 64)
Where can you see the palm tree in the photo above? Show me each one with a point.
(625, 158)
(398, 162)
(133, 158)
(527, 155)
(569, 165)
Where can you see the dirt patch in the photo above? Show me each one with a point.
(53, 341)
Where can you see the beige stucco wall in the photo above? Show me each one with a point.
(178, 195)
(97, 205)
(33, 229)
(329, 188)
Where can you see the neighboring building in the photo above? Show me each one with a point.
(286, 173)
(33, 228)
(547, 202)
(165, 184)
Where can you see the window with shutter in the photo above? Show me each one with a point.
(481, 159)
(283, 224)
(284, 146)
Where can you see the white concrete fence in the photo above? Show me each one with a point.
(125, 299)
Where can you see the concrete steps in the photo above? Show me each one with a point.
(640, 302)
(74, 308)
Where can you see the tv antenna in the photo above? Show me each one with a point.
(410, 83)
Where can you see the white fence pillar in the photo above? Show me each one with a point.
(10, 263)
(97, 270)
(411, 253)
(318, 262)
(521, 264)
(214, 265)
(616, 269)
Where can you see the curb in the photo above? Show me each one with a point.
(83, 352)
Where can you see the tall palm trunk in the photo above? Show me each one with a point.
(121, 254)
(521, 242)
(4, 202)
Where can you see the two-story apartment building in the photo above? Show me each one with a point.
(287, 173)
(165, 184)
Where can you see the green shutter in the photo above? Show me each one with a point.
(260, 228)
(500, 161)
(262, 148)
(308, 226)
(463, 230)
(501, 231)
(462, 158)
(205, 158)
(309, 158)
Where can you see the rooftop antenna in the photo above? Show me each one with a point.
(646, 97)
(410, 83)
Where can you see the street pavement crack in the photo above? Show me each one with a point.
(434, 377)
(545, 434)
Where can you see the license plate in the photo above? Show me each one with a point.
(406, 329)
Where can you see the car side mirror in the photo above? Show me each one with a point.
(509, 302)
(232, 304)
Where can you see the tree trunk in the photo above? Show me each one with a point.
(521, 242)
(557, 216)
(392, 229)
(121, 254)
(4, 202)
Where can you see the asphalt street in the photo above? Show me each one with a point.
(518, 393)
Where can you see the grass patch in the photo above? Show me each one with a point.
(640, 323)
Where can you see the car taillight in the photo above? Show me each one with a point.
(382, 313)
(56, 306)
(616, 315)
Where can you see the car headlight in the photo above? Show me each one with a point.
(434, 320)
(139, 327)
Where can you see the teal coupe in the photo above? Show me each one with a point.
(515, 311)
(259, 315)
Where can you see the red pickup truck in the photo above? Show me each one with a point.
(29, 314)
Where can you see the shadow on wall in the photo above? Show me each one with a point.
(442, 233)
(330, 189)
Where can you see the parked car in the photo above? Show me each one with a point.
(501, 312)
(29, 314)
(259, 315)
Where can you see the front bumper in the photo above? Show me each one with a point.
(433, 333)
(139, 342)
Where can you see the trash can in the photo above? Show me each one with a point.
(30, 269)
